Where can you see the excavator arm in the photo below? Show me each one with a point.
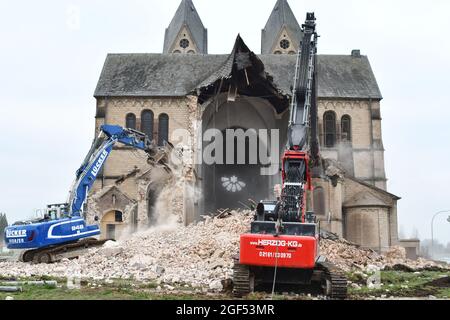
(52, 238)
(301, 139)
(303, 90)
(96, 158)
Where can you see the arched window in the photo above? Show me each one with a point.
(118, 217)
(130, 121)
(346, 128)
(319, 201)
(147, 123)
(329, 125)
(163, 129)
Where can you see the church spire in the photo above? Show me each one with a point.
(186, 33)
(282, 33)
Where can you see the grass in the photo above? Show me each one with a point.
(394, 283)
(118, 289)
(403, 284)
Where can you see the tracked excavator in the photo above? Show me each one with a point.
(62, 232)
(282, 247)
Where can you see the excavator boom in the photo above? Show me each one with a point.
(54, 234)
(283, 244)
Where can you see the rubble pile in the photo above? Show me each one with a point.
(200, 255)
(348, 256)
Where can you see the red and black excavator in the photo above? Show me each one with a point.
(282, 247)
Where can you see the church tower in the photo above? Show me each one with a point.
(282, 33)
(186, 33)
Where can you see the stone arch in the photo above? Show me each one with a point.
(109, 199)
(329, 129)
(147, 122)
(346, 128)
(163, 129)
(130, 121)
(231, 185)
(112, 224)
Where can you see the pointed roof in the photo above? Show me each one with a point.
(187, 16)
(281, 16)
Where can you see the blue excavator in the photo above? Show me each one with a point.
(63, 231)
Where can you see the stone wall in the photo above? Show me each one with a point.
(368, 227)
(366, 154)
(124, 160)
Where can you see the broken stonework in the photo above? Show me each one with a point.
(199, 255)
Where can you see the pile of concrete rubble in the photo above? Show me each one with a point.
(348, 256)
(199, 255)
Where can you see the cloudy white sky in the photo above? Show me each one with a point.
(52, 53)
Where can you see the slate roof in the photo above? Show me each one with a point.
(171, 75)
(281, 16)
(187, 15)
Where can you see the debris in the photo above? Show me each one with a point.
(216, 285)
(199, 255)
(399, 267)
(350, 257)
(10, 289)
(355, 286)
(223, 213)
(9, 298)
(50, 283)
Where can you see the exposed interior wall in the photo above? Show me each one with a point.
(245, 113)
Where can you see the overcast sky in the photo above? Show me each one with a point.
(52, 53)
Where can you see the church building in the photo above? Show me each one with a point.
(186, 88)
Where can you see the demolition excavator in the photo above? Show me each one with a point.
(282, 247)
(63, 231)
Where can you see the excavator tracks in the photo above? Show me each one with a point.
(56, 253)
(242, 285)
(334, 282)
